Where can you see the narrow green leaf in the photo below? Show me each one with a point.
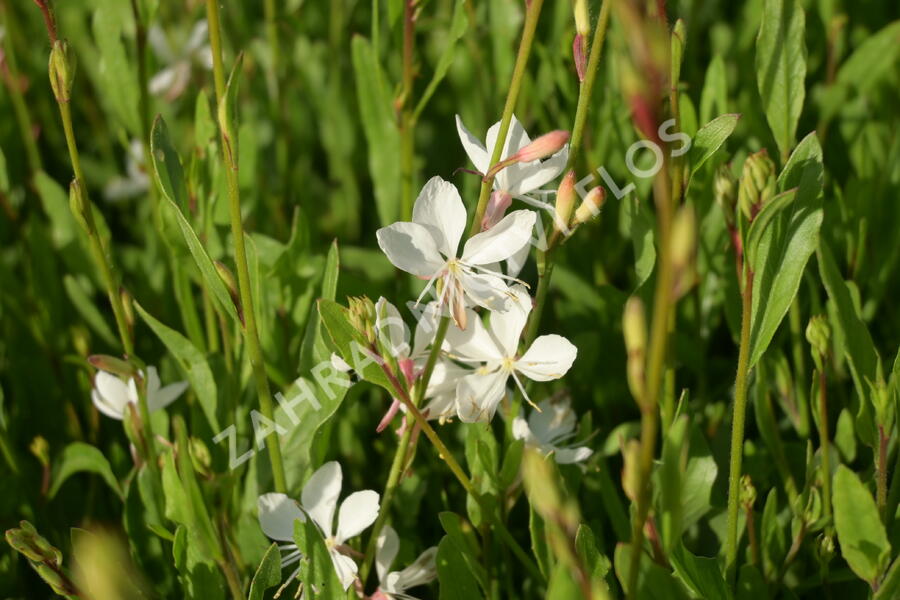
(862, 537)
(458, 26)
(267, 575)
(88, 311)
(454, 573)
(316, 568)
(709, 139)
(79, 457)
(192, 361)
(701, 575)
(350, 343)
(781, 68)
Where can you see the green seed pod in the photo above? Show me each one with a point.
(113, 365)
(757, 184)
(22, 542)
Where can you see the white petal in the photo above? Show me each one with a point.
(507, 326)
(320, 495)
(345, 568)
(516, 262)
(358, 511)
(112, 393)
(440, 209)
(386, 549)
(114, 412)
(277, 514)
(477, 396)
(473, 147)
(474, 342)
(521, 431)
(444, 377)
(157, 39)
(164, 397)
(500, 241)
(554, 420)
(516, 138)
(549, 357)
(162, 81)
(197, 37)
(426, 328)
(535, 174)
(486, 290)
(423, 570)
(411, 247)
(389, 323)
(568, 456)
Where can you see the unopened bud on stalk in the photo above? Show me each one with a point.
(565, 202)
(111, 364)
(62, 70)
(630, 469)
(684, 237)
(127, 306)
(496, 209)
(582, 19)
(40, 449)
(546, 145)
(725, 189)
(590, 206)
(757, 184)
(818, 334)
(78, 205)
(228, 278)
(634, 328)
(582, 31)
(363, 317)
(748, 492)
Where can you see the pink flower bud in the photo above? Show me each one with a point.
(580, 58)
(547, 144)
(495, 209)
(565, 201)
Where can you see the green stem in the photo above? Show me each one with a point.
(663, 305)
(881, 478)
(403, 449)
(251, 334)
(587, 86)
(531, 19)
(825, 445)
(737, 427)
(20, 107)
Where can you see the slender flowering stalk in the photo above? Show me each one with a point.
(251, 334)
(13, 84)
(531, 19)
(407, 115)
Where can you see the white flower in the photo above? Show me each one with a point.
(478, 394)
(427, 247)
(546, 429)
(111, 395)
(319, 499)
(517, 179)
(136, 181)
(171, 81)
(392, 585)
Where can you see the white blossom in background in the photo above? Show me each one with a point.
(392, 585)
(111, 395)
(496, 349)
(427, 247)
(549, 429)
(173, 79)
(516, 180)
(135, 182)
(319, 501)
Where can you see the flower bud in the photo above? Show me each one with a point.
(544, 146)
(818, 334)
(22, 541)
(228, 278)
(363, 317)
(579, 56)
(631, 469)
(684, 238)
(757, 184)
(496, 209)
(111, 364)
(634, 329)
(582, 20)
(128, 307)
(748, 492)
(40, 448)
(79, 206)
(62, 70)
(565, 202)
(725, 190)
(590, 206)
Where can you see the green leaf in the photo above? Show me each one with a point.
(701, 575)
(458, 27)
(890, 586)
(782, 249)
(714, 96)
(454, 572)
(781, 68)
(118, 78)
(192, 361)
(316, 568)
(380, 127)
(4, 174)
(774, 544)
(709, 139)
(79, 457)
(596, 563)
(862, 537)
(464, 544)
(674, 457)
(170, 176)
(562, 585)
(267, 575)
(654, 582)
(204, 126)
